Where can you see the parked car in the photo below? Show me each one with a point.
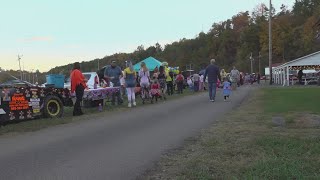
(16, 83)
(92, 77)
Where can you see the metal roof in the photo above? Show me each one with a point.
(309, 60)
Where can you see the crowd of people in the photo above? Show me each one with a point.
(161, 83)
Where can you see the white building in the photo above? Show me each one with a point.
(310, 63)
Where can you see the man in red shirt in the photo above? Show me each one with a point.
(78, 85)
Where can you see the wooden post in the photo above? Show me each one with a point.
(288, 76)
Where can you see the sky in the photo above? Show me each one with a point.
(51, 33)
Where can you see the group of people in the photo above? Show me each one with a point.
(160, 83)
(196, 82)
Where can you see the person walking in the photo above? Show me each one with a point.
(169, 81)
(226, 89)
(213, 73)
(144, 76)
(201, 82)
(179, 81)
(300, 74)
(241, 79)
(130, 83)
(196, 82)
(122, 84)
(112, 74)
(162, 81)
(78, 85)
(258, 78)
(235, 77)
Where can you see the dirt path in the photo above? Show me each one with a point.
(120, 146)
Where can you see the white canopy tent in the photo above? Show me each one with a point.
(281, 74)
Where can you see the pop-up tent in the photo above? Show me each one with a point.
(151, 63)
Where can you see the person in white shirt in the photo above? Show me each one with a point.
(201, 84)
(144, 76)
(190, 83)
(196, 81)
(122, 83)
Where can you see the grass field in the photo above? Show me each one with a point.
(90, 113)
(248, 145)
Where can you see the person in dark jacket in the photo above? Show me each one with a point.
(213, 73)
(300, 74)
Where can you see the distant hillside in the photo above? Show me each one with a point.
(231, 42)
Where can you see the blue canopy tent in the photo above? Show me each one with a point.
(151, 63)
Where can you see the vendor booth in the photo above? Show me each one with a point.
(151, 64)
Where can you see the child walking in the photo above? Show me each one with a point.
(226, 89)
(155, 90)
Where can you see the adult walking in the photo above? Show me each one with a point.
(169, 78)
(162, 81)
(201, 82)
(144, 76)
(78, 85)
(130, 83)
(112, 74)
(196, 82)
(213, 73)
(170, 85)
(235, 77)
(300, 74)
(258, 78)
(179, 81)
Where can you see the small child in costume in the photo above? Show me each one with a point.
(218, 83)
(155, 90)
(226, 89)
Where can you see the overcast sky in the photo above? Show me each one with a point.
(56, 32)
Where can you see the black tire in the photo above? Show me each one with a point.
(53, 107)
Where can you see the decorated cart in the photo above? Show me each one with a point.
(29, 102)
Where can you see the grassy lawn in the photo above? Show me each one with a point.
(247, 144)
(90, 113)
(292, 100)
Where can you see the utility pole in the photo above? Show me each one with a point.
(251, 59)
(37, 80)
(259, 63)
(24, 75)
(19, 59)
(98, 64)
(270, 42)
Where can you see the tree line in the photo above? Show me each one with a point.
(233, 41)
